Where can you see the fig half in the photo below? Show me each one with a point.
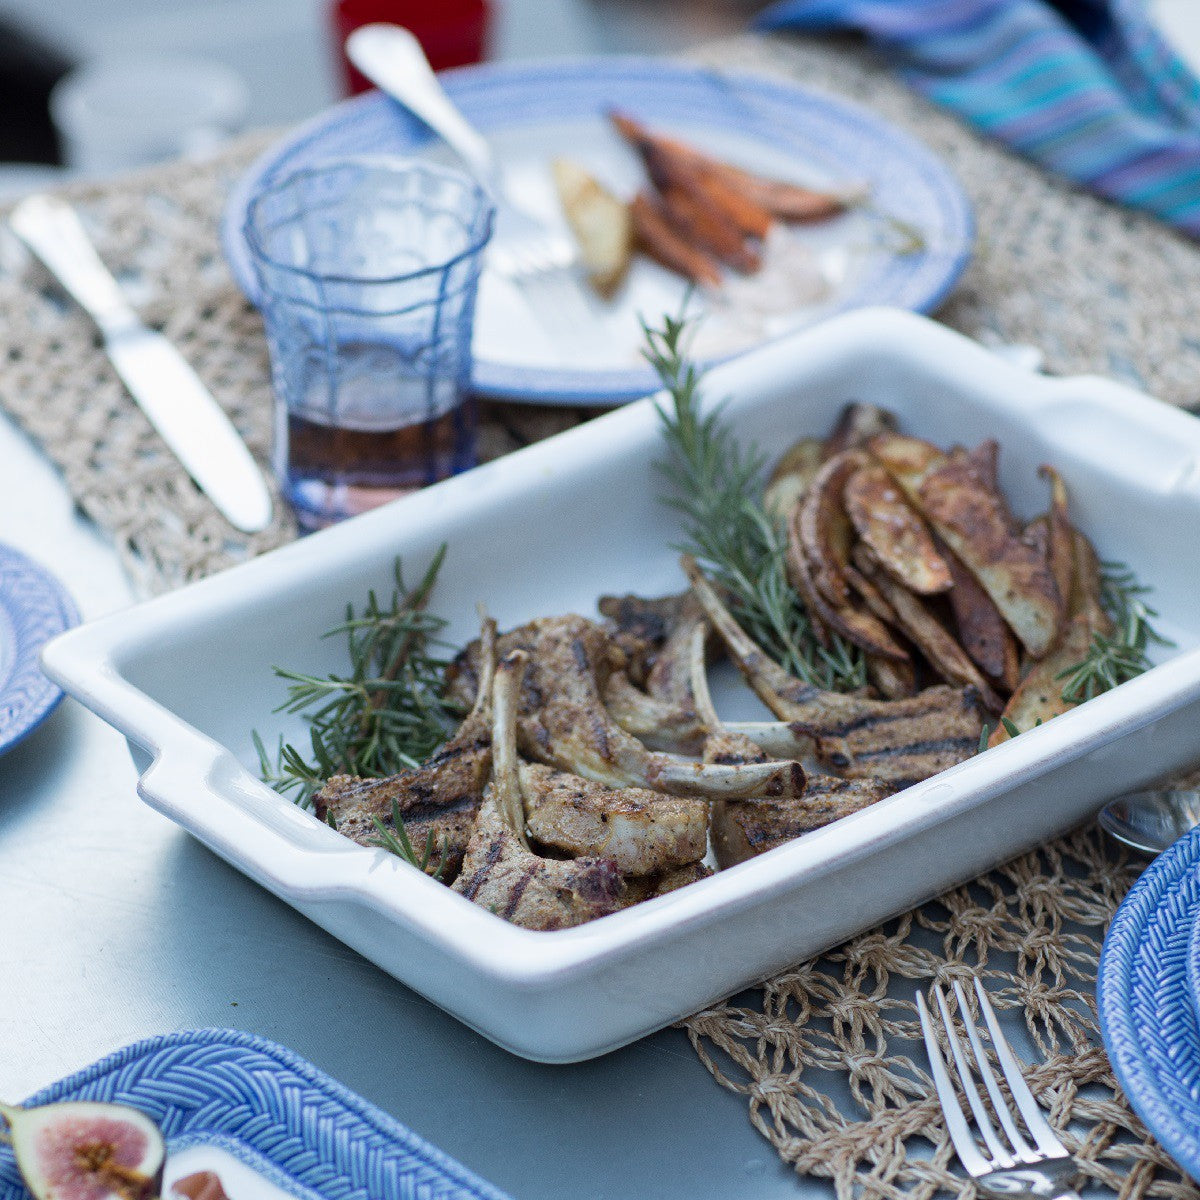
(86, 1150)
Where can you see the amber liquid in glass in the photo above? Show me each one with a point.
(337, 471)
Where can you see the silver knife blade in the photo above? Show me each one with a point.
(192, 424)
(168, 391)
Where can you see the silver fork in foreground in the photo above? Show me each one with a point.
(1009, 1163)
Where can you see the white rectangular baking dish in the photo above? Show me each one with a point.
(186, 677)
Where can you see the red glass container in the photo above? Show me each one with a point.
(452, 33)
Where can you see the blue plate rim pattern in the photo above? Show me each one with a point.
(287, 1119)
(1147, 1010)
(919, 282)
(37, 609)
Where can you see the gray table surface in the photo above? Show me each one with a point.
(115, 925)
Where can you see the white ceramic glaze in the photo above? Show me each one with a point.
(187, 676)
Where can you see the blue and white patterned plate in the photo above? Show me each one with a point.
(241, 1096)
(533, 112)
(33, 609)
(1147, 1007)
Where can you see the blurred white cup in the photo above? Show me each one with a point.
(115, 114)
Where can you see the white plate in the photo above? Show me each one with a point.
(187, 676)
(534, 112)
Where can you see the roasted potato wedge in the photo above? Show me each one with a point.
(1060, 548)
(1039, 698)
(791, 478)
(824, 529)
(856, 425)
(953, 493)
(602, 225)
(899, 537)
(892, 680)
(924, 630)
(907, 459)
(855, 625)
(982, 631)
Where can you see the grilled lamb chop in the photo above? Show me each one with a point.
(499, 872)
(899, 742)
(641, 625)
(441, 797)
(741, 829)
(744, 828)
(643, 832)
(663, 715)
(564, 723)
(671, 881)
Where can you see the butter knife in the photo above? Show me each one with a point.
(166, 388)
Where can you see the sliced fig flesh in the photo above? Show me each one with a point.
(86, 1150)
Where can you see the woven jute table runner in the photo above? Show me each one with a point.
(828, 1054)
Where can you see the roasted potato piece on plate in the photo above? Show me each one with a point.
(601, 223)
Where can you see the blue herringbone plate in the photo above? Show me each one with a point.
(33, 609)
(273, 1110)
(1147, 1011)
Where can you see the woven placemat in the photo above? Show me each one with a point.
(826, 1054)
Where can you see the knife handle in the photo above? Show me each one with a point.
(53, 231)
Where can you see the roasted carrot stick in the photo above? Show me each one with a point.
(787, 201)
(656, 236)
(668, 170)
(707, 228)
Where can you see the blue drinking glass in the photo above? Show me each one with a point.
(368, 272)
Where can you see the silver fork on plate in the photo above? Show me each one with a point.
(1010, 1163)
(535, 256)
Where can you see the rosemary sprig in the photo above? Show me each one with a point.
(388, 713)
(1115, 658)
(396, 841)
(715, 484)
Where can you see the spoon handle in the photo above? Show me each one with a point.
(392, 59)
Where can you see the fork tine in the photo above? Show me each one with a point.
(1001, 1156)
(1035, 1120)
(956, 1125)
(999, 1104)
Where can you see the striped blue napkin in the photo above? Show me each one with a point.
(1087, 88)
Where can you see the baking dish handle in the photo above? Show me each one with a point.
(287, 855)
